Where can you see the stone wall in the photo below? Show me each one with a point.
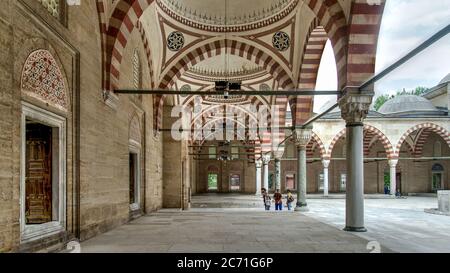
(102, 172)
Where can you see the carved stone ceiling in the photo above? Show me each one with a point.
(225, 63)
(226, 12)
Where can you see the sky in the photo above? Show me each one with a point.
(405, 25)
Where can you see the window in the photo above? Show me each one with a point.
(137, 73)
(212, 152)
(290, 182)
(212, 181)
(43, 173)
(437, 178)
(437, 151)
(234, 153)
(52, 7)
(343, 182)
(58, 8)
(321, 182)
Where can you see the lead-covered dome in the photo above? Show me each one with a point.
(407, 104)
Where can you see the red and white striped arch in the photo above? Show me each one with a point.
(216, 48)
(148, 52)
(430, 127)
(369, 133)
(302, 107)
(364, 28)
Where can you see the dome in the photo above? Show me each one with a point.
(407, 103)
(445, 79)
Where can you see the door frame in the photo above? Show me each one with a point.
(134, 149)
(36, 232)
(240, 182)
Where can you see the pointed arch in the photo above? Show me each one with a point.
(302, 107)
(216, 48)
(430, 127)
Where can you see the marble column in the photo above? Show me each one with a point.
(354, 109)
(301, 137)
(258, 176)
(393, 175)
(326, 164)
(266, 161)
(277, 174)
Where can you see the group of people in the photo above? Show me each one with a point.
(278, 199)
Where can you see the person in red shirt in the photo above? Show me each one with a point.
(278, 200)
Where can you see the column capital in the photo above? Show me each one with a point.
(277, 155)
(302, 136)
(355, 107)
(393, 163)
(266, 159)
(326, 163)
(258, 163)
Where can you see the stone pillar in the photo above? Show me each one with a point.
(258, 176)
(277, 174)
(301, 137)
(266, 161)
(393, 175)
(354, 109)
(326, 164)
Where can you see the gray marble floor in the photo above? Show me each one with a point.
(215, 225)
(226, 230)
(398, 224)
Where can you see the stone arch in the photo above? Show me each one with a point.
(333, 142)
(315, 138)
(390, 153)
(331, 16)
(216, 48)
(442, 132)
(383, 139)
(302, 107)
(43, 79)
(135, 131)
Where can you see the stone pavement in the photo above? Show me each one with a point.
(226, 230)
(398, 224)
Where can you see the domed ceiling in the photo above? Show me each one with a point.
(226, 12)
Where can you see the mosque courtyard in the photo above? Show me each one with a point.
(397, 225)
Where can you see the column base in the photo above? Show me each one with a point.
(355, 229)
(301, 208)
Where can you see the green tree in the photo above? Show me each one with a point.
(380, 101)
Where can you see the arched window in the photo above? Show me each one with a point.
(437, 151)
(137, 73)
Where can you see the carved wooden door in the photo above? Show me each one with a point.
(38, 208)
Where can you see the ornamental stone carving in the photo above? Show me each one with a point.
(355, 107)
(175, 41)
(266, 159)
(281, 41)
(302, 137)
(258, 163)
(42, 79)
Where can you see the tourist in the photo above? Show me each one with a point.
(278, 200)
(290, 200)
(266, 199)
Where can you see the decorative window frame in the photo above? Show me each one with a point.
(35, 232)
